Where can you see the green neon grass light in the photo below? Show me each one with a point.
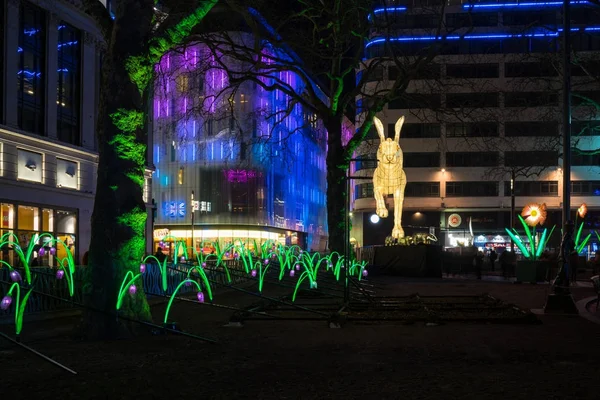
(162, 266)
(580, 246)
(536, 249)
(204, 278)
(175, 293)
(20, 304)
(125, 287)
(67, 264)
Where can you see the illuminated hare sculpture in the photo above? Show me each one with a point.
(389, 177)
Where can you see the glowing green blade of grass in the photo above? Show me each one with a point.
(519, 243)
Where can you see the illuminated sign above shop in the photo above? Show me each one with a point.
(174, 209)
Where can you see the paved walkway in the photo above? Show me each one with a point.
(306, 360)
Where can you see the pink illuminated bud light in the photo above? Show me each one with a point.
(6, 302)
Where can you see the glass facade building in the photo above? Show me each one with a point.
(246, 162)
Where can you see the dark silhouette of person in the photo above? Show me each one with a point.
(493, 257)
(160, 256)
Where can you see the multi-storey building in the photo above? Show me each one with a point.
(488, 106)
(49, 69)
(233, 163)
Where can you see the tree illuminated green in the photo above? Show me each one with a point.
(135, 42)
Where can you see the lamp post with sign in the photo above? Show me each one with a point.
(194, 207)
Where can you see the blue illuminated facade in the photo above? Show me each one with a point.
(255, 167)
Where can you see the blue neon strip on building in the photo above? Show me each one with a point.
(522, 5)
(388, 10)
(477, 36)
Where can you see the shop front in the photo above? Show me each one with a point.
(208, 241)
(26, 220)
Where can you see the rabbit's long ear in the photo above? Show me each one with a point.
(398, 128)
(379, 127)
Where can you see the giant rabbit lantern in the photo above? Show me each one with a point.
(389, 177)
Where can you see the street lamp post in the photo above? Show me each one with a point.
(512, 207)
(561, 300)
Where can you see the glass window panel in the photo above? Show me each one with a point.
(28, 218)
(65, 221)
(68, 84)
(47, 220)
(31, 53)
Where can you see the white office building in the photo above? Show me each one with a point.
(489, 105)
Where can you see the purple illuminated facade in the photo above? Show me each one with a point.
(255, 170)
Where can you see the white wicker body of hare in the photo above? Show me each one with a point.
(389, 177)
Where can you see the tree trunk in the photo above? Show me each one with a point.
(119, 216)
(336, 186)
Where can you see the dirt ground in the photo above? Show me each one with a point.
(558, 359)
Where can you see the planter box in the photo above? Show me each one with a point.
(532, 271)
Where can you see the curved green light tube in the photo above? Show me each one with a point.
(203, 277)
(162, 268)
(518, 243)
(302, 277)
(125, 286)
(20, 305)
(175, 293)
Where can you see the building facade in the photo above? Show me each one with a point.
(485, 111)
(233, 164)
(49, 79)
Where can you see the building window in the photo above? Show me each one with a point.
(471, 100)
(67, 175)
(2, 23)
(368, 161)
(363, 190)
(472, 71)
(69, 87)
(374, 74)
(468, 20)
(471, 189)
(585, 128)
(421, 160)
(529, 70)
(428, 71)
(530, 158)
(585, 98)
(30, 166)
(585, 188)
(529, 188)
(422, 189)
(415, 101)
(530, 99)
(472, 159)
(418, 131)
(7, 225)
(65, 225)
(587, 160)
(529, 18)
(480, 129)
(31, 91)
(525, 129)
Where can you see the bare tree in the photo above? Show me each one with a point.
(322, 43)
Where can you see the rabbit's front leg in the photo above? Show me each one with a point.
(381, 210)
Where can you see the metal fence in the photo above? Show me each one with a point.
(45, 282)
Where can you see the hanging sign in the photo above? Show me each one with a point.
(454, 220)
